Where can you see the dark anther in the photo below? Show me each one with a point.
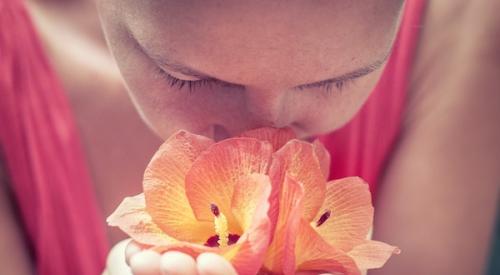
(233, 238)
(215, 209)
(214, 240)
(323, 218)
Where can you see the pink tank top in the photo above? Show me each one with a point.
(41, 153)
(363, 145)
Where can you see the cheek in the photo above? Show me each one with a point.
(163, 108)
(168, 109)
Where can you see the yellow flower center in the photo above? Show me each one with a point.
(221, 227)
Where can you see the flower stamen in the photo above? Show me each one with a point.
(323, 218)
(214, 240)
(221, 228)
(214, 209)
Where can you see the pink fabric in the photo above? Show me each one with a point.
(362, 146)
(40, 151)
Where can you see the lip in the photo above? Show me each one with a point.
(219, 133)
(305, 136)
(310, 138)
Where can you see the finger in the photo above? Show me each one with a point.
(213, 264)
(312, 273)
(177, 263)
(115, 263)
(146, 262)
(132, 248)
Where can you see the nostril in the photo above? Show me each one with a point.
(220, 133)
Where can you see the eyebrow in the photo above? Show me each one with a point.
(183, 69)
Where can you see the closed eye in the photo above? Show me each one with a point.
(192, 85)
(327, 85)
(338, 82)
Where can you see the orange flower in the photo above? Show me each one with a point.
(200, 196)
(230, 197)
(321, 226)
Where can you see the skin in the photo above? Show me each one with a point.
(440, 176)
(257, 73)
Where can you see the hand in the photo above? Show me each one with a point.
(129, 258)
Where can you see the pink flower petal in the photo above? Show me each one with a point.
(323, 156)
(297, 160)
(351, 213)
(251, 191)
(213, 176)
(131, 217)
(314, 254)
(276, 136)
(280, 256)
(164, 187)
(251, 205)
(372, 254)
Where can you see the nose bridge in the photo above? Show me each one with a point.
(268, 106)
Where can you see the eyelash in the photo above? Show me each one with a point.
(191, 85)
(328, 87)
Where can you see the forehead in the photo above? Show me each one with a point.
(249, 42)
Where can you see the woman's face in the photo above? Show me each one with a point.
(221, 67)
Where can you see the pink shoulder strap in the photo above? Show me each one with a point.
(41, 153)
(362, 146)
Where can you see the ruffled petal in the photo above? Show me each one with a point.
(248, 194)
(323, 156)
(314, 254)
(131, 217)
(298, 160)
(164, 187)
(372, 254)
(276, 136)
(247, 255)
(213, 176)
(280, 256)
(351, 213)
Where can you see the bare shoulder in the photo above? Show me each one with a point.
(457, 63)
(457, 37)
(438, 197)
(14, 257)
(455, 86)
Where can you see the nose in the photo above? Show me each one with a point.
(268, 107)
